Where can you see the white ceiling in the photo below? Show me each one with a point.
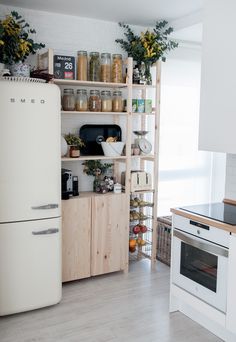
(136, 12)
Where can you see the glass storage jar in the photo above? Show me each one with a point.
(117, 67)
(68, 100)
(106, 101)
(94, 67)
(94, 101)
(105, 67)
(82, 100)
(117, 101)
(82, 66)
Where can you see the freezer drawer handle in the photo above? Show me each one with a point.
(46, 206)
(46, 232)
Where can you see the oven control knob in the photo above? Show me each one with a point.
(198, 231)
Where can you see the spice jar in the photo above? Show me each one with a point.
(68, 100)
(82, 100)
(117, 101)
(105, 67)
(94, 67)
(106, 101)
(82, 66)
(94, 101)
(117, 68)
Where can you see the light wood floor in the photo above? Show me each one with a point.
(118, 307)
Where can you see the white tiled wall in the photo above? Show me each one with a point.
(230, 181)
(66, 35)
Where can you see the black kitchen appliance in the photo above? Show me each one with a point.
(93, 135)
(66, 183)
(222, 212)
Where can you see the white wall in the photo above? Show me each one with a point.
(187, 176)
(230, 183)
(68, 34)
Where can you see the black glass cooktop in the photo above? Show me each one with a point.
(217, 211)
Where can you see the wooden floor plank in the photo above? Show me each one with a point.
(118, 307)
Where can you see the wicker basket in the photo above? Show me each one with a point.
(164, 239)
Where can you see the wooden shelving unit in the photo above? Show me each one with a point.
(116, 206)
(150, 237)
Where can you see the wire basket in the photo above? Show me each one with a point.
(164, 239)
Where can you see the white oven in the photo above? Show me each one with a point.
(200, 260)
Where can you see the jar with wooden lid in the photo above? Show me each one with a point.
(82, 66)
(105, 67)
(106, 101)
(94, 101)
(82, 100)
(94, 67)
(117, 66)
(117, 101)
(68, 100)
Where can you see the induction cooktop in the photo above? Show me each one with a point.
(217, 211)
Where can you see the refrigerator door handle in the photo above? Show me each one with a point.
(47, 206)
(46, 232)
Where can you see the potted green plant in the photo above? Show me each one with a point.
(148, 47)
(16, 43)
(97, 169)
(75, 143)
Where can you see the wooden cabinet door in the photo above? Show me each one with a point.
(109, 249)
(76, 238)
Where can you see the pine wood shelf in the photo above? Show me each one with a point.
(89, 84)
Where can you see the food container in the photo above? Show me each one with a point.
(94, 67)
(105, 67)
(117, 68)
(134, 105)
(117, 188)
(94, 101)
(148, 106)
(68, 100)
(106, 101)
(117, 101)
(82, 100)
(140, 106)
(82, 66)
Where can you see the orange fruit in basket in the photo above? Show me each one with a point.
(132, 249)
(132, 243)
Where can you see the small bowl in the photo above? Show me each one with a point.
(140, 133)
(112, 149)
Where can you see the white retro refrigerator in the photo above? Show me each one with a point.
(30, 228)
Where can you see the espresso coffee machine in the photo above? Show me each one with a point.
(69, 184)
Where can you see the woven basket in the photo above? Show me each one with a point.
(164, 239)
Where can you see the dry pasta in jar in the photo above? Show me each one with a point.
(117, 68)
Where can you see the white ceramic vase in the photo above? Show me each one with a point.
(64, 146)
(20, 69)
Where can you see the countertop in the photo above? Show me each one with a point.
(205, 220)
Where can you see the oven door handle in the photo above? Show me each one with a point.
(198, 243)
